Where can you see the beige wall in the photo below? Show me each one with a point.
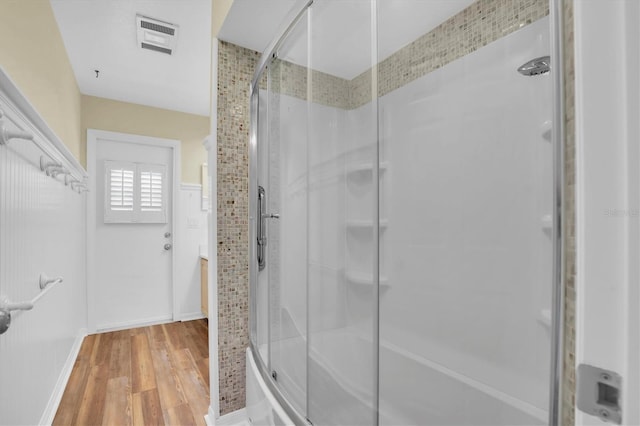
(219, 11)
(34, 56)
(123, 117)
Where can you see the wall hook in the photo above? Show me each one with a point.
(59, 171)
(6, 306)
(5, 320)
(6, 135)
(50, 166)
(80, 187)
(69, 179)
(45, 280)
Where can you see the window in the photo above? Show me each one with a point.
(121, 186)
(135, 193)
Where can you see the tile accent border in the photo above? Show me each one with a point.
(476, 26)
(569, 367)
(326, 89)
(481, 23)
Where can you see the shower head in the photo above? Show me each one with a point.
(535, 66)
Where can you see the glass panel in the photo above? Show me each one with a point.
(285, 184)
(260, 296)
(466, 187)
(342, 247)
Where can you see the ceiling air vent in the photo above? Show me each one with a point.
(156, 35)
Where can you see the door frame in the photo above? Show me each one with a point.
(607, 42)
(92, 141)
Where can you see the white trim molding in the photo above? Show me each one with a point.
(211, 144)
(191, 316)
(126, 325)
(236, 418)
(607, 55)
(190, 186)
(43, 137)
(56, 396)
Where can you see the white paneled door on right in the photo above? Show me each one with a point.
(131, 278)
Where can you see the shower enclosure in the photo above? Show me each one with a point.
(405, 213)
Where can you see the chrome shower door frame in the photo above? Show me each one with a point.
(558, 235)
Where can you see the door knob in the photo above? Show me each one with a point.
(167, 246)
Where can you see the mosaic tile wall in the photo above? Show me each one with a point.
(235, 71)
(476, 26)
(569, 379)
(480, 24)
(327, 89)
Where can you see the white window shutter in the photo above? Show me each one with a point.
(153, 193)
(121, 186)
(119, 200)
(135, 192)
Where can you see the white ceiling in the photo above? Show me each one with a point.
(341, 29)
(101, 34)
(253, 23)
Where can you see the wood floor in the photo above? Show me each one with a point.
(156, 375)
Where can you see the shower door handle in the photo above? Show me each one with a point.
(262, 227)
(261, 234)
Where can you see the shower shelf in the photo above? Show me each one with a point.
(546, 222)
(545, 130)
(364, 224)
(365, 279)
(366, 168)
(545, 318)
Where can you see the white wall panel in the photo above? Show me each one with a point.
(42, 230)
(192, 233)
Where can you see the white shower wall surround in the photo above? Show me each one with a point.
(478, 176)
(465, 264)
(42, 230)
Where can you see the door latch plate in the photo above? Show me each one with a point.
(599, 393)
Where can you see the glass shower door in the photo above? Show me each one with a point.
(283, 187)
(319, 221)
(343, 218)
(407, 222)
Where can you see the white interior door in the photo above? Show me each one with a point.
(131, 277)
